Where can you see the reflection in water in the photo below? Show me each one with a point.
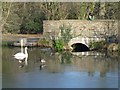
(42, 66)
(23, 62)
(66, 57)
(91, 63)
(66, 69)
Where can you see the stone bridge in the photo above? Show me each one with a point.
(83, 31)
(83, 41)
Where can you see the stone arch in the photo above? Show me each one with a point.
(77, 40)
(79, 47)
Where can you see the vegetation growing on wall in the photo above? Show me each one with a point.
(65, 37)
(98, 45)
(66, 34)
(59, 45)
(103, 45)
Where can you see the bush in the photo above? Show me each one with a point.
(66, 33)
(98, 45)
(58, 45)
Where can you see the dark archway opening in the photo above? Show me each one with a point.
(79, 47)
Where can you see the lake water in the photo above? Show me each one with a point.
(65, 70)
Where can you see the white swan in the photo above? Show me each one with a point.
(21, 55)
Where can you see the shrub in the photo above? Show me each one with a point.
(58, 45)
(98, 45)
(66, 33)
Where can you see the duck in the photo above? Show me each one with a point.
(21, 55)
(42, 61)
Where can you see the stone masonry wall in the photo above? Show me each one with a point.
(85, 28)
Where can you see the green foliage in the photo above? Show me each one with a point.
(32, 26)
(22, 18)
(32, 23)
(66, 33)
(98, 45)
(65, 37)
(59, 45)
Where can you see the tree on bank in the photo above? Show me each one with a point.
(27, 17)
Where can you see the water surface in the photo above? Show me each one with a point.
(66, 70)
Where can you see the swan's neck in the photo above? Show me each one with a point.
(26, 52)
